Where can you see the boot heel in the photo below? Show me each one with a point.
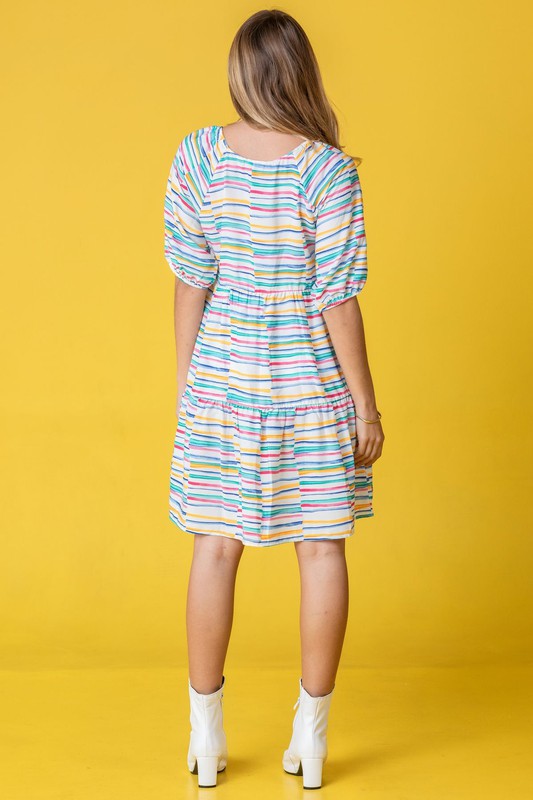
(312, 772)
(207, 770)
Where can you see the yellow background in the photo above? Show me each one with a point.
(436, 100)
(97, 99)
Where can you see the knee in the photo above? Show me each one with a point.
(218, 548)
(320, 548)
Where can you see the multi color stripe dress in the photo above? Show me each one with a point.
(266, 431)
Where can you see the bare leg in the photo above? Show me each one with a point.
(210, 602)
(323, 611)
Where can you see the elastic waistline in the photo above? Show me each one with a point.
(225, 288)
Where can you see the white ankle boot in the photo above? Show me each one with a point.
(308, 748)
(208, 750)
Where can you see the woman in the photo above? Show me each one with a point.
(277, 420)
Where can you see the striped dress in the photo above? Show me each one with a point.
(266, 431)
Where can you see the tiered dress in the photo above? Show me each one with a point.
(266, 432)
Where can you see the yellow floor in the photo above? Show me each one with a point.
(404, 734)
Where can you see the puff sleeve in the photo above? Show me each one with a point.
(186, 249)
(340, 243)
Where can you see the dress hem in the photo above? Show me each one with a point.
(249, 543)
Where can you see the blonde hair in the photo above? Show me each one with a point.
(275, 82)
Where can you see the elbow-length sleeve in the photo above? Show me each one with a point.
(186, 249)
(340, 243)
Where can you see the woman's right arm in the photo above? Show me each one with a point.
(189, 304)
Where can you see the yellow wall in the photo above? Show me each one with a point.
(435, 99)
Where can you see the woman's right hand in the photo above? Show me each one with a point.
(181, 390)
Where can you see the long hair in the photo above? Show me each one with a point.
(275, 82)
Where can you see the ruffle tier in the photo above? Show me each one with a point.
(268, 474)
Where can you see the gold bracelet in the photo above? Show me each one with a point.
(370, 420)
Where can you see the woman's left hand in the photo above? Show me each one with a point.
(370, 438)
